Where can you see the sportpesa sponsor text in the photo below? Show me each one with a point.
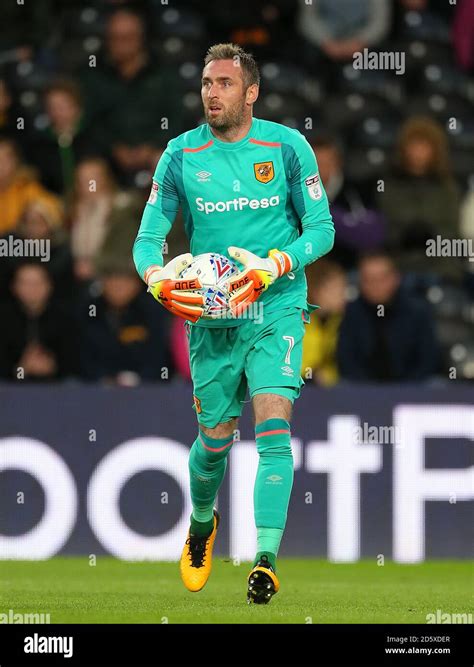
(237, 204)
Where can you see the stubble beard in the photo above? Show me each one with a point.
(230, 119)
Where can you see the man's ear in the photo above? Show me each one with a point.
(252, 94)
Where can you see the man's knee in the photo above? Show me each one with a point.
(214, 444)
(271, 406)
(222, 430)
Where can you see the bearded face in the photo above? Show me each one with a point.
(224, 95)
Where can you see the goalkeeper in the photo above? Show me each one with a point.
(249, 189)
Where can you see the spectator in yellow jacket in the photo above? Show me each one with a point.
(18, 188)
(326, 287)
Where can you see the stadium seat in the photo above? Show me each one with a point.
(425, 26)
(460, 128)
(454, 314)
(376, 131)
(441, 107)
(82, 22)
(175, 50)
(191, 101)
(183, 23)
(366, 164)
(343, 112)
(28, 76)
(287, 79)
(190, 74)
(463, 166)
(420, 54)
(382, 83)
(30, 107)
(457, 350)
(74, 54)
(450, 302)
(274, 105)
(445, 79)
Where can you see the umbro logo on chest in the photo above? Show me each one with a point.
(203, 176)
(264, 172)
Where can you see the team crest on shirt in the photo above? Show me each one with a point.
(264, 171)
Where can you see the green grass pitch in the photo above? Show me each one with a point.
(112, 591)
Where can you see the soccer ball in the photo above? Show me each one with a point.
(213, 270)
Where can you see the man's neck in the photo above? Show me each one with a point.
(66, 128)
(233, 134)
(34, 310)
(130, 68)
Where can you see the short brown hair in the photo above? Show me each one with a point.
(380, 254)
(66, 86)
(250, 73)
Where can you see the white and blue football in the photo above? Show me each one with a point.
(213, 270)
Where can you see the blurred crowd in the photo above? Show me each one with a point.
(90, 94)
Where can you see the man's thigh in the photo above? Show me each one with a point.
(273, 363)
(217, 371)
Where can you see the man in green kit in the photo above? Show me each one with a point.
(249, 189)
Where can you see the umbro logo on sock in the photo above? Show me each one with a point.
(202, 479)
(274, 479)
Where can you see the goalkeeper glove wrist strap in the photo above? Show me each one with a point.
(150, 270)
(282, 260)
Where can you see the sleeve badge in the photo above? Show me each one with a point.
(313, 184)
(153, 193)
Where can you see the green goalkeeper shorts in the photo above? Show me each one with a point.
(261, 355)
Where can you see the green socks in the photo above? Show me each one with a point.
(268, 539)
(273, 485)
(201, 528)
(268, 543)
(207, 466)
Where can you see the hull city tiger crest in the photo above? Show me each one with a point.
(264, 171)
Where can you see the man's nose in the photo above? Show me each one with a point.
(210, 92)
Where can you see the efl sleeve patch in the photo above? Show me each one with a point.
(153, 193)
(314, 187)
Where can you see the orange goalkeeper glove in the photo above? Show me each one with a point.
(258, 274)
(176, 294)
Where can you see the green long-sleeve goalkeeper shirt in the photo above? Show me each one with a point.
(259, 193)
